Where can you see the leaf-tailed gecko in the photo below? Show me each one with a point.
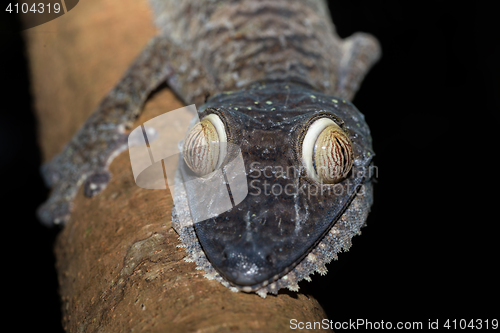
(291, 79)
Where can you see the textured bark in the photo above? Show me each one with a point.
(118, 265)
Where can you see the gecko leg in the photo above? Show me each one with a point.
(359, 52)
(85, 159)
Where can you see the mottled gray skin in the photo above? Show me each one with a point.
(206, 48)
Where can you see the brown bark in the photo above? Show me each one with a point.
(118, 265)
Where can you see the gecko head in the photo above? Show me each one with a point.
(302, 161)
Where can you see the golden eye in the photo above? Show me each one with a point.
(202, 149)
(326, 152)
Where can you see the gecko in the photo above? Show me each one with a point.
(279, 82)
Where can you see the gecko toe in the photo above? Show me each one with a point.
(54, 213)
(96, 183)
(49, 174)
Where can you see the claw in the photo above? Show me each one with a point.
(96, 183)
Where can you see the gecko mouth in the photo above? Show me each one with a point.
(248, 283)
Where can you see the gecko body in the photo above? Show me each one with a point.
(272, 68)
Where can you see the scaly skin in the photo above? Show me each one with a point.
(279, 51)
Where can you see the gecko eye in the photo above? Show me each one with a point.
(202, 149)
(326, 152)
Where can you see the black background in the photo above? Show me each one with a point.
(430, 250)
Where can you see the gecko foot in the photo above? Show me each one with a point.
(85, 159)
(54, 212)
(49, 174)
(67, 176)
